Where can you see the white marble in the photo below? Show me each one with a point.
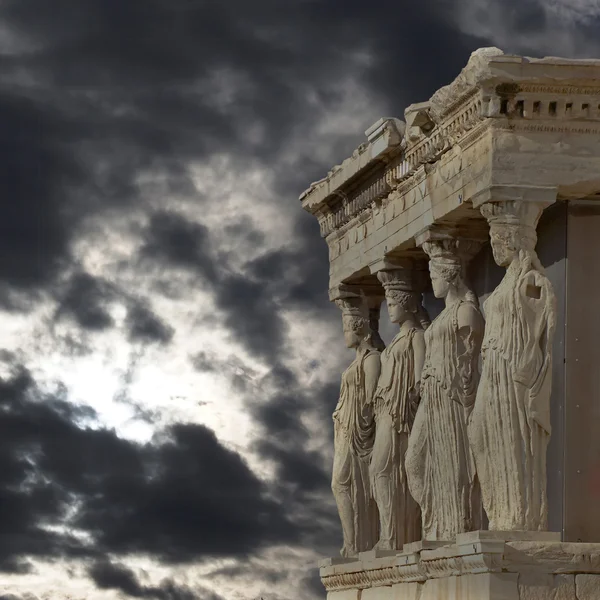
(510, 425)
(439, 463)
(354, 430)
(396, 401)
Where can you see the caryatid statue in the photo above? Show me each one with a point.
(396, 401)
(439, 464)
(510, 425)
(354, 430)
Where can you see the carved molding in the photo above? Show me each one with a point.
(378, 573)
(428, 148)
(470, 119)
(464, 559)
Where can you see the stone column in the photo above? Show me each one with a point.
(439, 463)
(510, 425)
(353, 418)
(396, 401)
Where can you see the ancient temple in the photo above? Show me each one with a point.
(467, 458)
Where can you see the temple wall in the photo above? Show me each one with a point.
(582, 375)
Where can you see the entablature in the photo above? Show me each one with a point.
(504, 121)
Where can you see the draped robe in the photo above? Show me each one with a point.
(439, 462)
(398, 512)
(354, 431)
(510, 424)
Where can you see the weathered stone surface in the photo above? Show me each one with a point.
(587, 587)
(384, 592)
(476, 70)
(557, 557)
(439, 463)
(505, 120)
(354, 429)
(484, 586)
(545, 586)
(407, 591)
(507, 536)
(344, 595)
(477, 568)
(396, 401)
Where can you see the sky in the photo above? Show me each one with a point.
(169, 360)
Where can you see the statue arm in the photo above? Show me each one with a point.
(372, 367)
(419, 355)
(535, 372)
(536, 315)
(470, 333)
(414, 394)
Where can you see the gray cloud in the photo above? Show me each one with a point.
(183, 498)
(144, 326)
(109, 575)
(86, 300)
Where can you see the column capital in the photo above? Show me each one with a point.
(520, 194)
(370, 290)
(515, 208)
(392, 263)
(361, 300)
(453, 241)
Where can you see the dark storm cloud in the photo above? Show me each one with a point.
(302, 476)
(251, 303)
(252, 571)
(178, 242)
(86, 300)
(95, 93)
(251, 300)
(37, 175)
(145, 326)
(183, 498)
(102, 91)
(114, 576)
(203, 500)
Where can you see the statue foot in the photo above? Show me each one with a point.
(347, 552)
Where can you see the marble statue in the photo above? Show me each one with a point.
(510, 424)
(439, 464)
(354, 430)
(396, 401)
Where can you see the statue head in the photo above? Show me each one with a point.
(447, 261)
(401, 305)
(444, 276)
(401, 298)
(512, 230)
(355, 320)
